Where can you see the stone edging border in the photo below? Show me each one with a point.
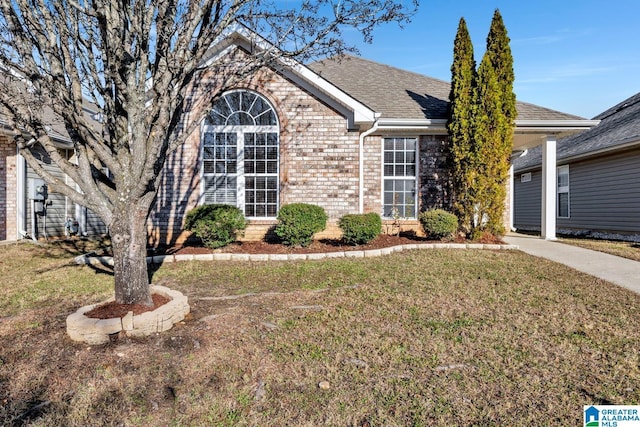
(97, 331)
(159, 259)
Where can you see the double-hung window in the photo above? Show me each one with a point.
(563, 191)
(399, 177)
(240, 155)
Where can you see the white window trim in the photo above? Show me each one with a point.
(239, 130)
(385, 177)
(565, 189)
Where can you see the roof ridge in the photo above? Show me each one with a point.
(630, 101)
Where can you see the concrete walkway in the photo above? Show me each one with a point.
(621, 271)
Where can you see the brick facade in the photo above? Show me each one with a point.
(8, 190)
(319, 157)
(435, 179)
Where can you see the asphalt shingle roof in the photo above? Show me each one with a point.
(619, 125)
(401, 94)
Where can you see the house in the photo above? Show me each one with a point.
(29, 208)
(598, 178)
(349, 135)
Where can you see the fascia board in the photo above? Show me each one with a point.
(241, 36)
(629, 144)
(554, 126)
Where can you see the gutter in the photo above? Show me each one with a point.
(632, 143)
(554, 125)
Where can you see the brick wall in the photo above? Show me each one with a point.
(318, 156)
(373, 174)
(434, 182)
(8, 182)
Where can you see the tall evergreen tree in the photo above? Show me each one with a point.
(495, 117)
(460, 125)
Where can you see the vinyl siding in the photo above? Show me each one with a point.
(604, 196)
(527, 200)
(59, 207)
(56, 211)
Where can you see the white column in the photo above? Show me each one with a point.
(548, 224)
(511, 196)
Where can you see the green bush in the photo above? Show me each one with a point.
(359, 229)
(438, 223)
(216, 225)
(298, 222)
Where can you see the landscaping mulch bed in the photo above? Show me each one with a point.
(317, 246)
(112, 309)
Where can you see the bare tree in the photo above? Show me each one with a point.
(134, 61)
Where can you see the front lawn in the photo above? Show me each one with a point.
(622, 249)
(425, 337)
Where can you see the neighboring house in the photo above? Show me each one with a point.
(598, 178)
(352, 136)
(29, 208)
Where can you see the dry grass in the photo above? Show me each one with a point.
(442, 337)
(629, 250)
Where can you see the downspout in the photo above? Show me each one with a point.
(363, 135)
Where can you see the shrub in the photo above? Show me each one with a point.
(359, 229)
(438, 223)
(216, 225)
(298, 222)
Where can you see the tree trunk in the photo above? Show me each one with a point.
(129, 242)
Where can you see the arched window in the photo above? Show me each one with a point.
(241, 151)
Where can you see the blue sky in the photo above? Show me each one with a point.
(578, 57)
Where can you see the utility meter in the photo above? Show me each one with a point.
(37, 189)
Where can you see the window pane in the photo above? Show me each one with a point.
(388, 170)
(563, 205)
(247, 100)
(388, 144)
(249, 167)
(233, 99)
(208, 166)
(272, 167)
(388, 156)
